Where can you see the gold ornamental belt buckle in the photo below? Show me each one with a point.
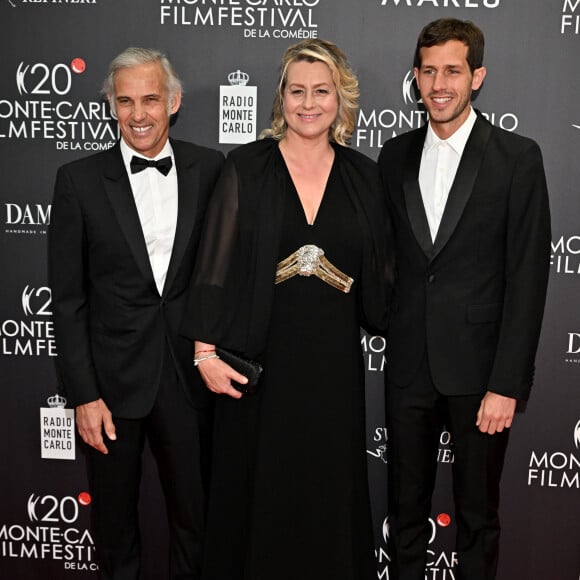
(310, 260)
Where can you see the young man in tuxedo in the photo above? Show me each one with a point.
(472, 224)
(124, 231)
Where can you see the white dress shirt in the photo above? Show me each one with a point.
(439, 162)
(156, 200)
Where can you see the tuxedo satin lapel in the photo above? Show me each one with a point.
(188, 197)
(118, 190)
(413, 198)
(463, 183)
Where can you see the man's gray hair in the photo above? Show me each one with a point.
(135, 56)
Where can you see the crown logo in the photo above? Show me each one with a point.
(56, 401)
(238, 78)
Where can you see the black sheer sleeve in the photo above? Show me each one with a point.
(233, 283)
(213, 288)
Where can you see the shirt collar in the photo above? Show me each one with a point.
(458, 140)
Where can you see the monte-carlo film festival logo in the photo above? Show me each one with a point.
(44, 108)
(238, 109)
(440, 564)
(557, 469)
(291, 19)
(375, 126)
(33, 334)
(570, 23)
(52, 528)
(565, 254)
(373, 348)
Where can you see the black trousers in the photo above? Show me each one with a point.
(416, 415)
(179, 437)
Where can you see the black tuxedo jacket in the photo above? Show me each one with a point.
(474, 299)
(111, 324)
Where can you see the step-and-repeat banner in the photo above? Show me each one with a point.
(54, 56)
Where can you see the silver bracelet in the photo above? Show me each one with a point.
(196, 361)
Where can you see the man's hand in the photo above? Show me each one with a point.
(496, 413)
(92, 419)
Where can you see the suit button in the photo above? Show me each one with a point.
(431, 278)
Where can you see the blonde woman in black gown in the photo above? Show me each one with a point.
(293, 260)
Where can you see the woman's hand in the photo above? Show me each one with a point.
(216, 374)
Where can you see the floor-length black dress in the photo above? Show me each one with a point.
(289, 496)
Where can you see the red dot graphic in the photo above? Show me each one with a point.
(443, 520)
(78, 65)
(84, 498)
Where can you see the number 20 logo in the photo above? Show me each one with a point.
(47, 80)
(30, 309)
(53, 510)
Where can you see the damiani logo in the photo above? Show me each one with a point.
(27, 214)
(573, 348)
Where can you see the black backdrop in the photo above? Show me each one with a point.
(54, 56)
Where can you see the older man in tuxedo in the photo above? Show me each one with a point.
(472, 226)
(122, 244)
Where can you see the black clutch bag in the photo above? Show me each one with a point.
(249, 368)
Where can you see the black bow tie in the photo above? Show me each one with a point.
(139, 164)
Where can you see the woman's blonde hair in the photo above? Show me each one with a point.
(345, 82)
